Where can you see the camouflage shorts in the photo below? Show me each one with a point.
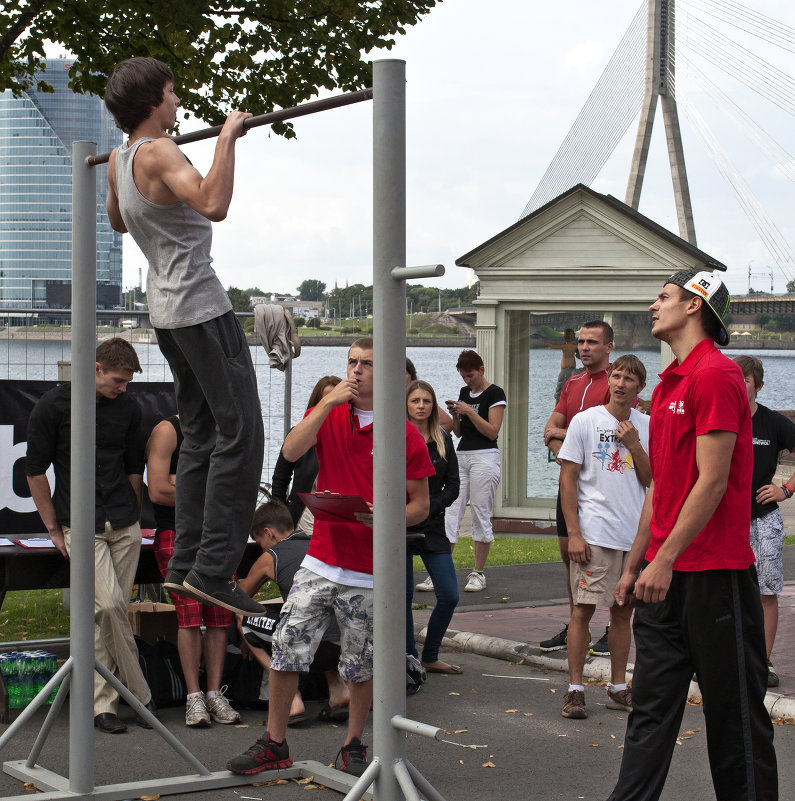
(311, 605)
(767, 541)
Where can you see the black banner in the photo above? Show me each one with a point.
(18, 515)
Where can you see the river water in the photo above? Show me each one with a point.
(37, 360)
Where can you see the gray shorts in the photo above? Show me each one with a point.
(767, 541)
(312, 603)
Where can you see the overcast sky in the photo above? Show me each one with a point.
(492, 89)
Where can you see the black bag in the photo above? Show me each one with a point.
(244, 679)
(163, 672)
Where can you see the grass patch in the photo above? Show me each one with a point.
(33, 615)
(505, 551)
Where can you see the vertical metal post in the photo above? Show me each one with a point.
(84, 305)
(389, 302)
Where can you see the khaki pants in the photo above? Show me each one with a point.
(115, 561)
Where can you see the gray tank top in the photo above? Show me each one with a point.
(181, 288)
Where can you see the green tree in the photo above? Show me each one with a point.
(791, 287)
(241, 302)
(251, 54)
(311, 289)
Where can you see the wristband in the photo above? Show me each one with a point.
(787, 491)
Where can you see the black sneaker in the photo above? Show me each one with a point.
(222, 592)
(173, 580)
(602, 648)
(556, 643)
(772, 676)
(265, 754)
(354, 757)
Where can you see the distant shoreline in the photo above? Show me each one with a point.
(147, 337)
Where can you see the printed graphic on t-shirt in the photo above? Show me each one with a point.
(611, 461)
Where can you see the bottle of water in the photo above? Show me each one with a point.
(8, 667)
(39, 673)
(26, 679)
(51, 662)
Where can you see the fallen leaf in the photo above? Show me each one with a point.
(596, 745)
(31, 786)
(691, 731)
(149, 797)
(245, 725)
(488, 765)
(473, 692)
(612, 736)
(511, 710)
(528, 714)
(460, 761)
(454, 693)
(553, 690)
(459, 731)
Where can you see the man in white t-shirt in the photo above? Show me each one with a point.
(603, 479)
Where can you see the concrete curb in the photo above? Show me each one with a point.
(596, 667)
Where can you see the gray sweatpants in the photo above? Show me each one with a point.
(220, 462)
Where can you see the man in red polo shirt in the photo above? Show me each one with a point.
(335, 579)
(582, 391)
(690, 569)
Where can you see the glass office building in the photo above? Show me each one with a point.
(36, 135)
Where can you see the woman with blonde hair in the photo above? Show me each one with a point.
(434, 549)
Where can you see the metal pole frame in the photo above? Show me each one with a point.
(394, 777)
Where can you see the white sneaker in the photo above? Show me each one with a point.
(221, 710)
(196, 713)
(425, 586)
(475, 582)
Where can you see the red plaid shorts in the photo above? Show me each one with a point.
(190, 613)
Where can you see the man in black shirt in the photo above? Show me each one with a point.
(772, 433)
(119, 476)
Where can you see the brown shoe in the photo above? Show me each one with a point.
(574, 705)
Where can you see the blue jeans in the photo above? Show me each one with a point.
(445, 585)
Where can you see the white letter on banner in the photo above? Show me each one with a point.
(9, 455)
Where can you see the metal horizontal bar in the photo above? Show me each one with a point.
(313, 107)
(423, 271)
(415, 727)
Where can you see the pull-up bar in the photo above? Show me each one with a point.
(326, 103)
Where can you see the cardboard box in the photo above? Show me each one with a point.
(152, 621)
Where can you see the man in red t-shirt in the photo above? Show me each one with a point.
(335, 579)
(581, 391)
(690, 569)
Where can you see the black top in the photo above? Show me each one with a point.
(303, 473)
(443, 489)
(119, 454)
(773, 432)
(471, 438)
(165, 518)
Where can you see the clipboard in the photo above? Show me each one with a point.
(333, 508)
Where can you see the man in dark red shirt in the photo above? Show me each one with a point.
(690, 569)
(581, 391)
